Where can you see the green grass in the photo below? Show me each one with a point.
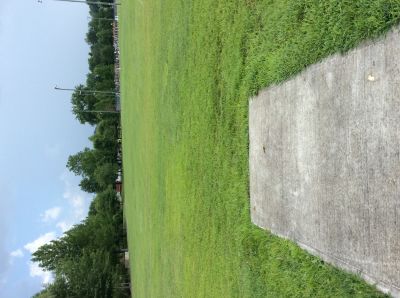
(188, 69)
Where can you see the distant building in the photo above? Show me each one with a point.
(118, 186)
(118, 103)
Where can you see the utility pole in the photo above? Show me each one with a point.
(87, 91)
(87, 2)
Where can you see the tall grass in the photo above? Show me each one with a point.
(188, 69)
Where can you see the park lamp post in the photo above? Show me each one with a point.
(100, 19)
(87, 2)
(93, 92)
(101, 112)
(87, 91)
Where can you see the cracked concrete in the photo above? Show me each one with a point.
(325, 160)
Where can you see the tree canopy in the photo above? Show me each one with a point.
(84, 261)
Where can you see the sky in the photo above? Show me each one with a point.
(41, 45)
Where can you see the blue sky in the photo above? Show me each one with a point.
(41, 45)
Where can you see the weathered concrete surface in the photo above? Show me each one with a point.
(325, 161)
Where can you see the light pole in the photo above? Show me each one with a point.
(87, 91)
(87, 2)
(100, 112)
(102, 19)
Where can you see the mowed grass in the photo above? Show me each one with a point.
(188, 70)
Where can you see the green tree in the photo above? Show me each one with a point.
(84, 260)
(84, 163)
(90, 275)
(83, 102)
(89, 185)
(106, 174)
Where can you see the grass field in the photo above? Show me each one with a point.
(188, 69)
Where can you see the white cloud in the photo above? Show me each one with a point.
(64, 226)
(36, 271)
(51, 214)
(78, 203)
(76, 197)
(43, 239)
(17, 253)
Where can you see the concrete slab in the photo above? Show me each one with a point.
(325, 161)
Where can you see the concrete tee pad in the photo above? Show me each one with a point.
(325, 161)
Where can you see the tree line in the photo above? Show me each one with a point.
(85, 260)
